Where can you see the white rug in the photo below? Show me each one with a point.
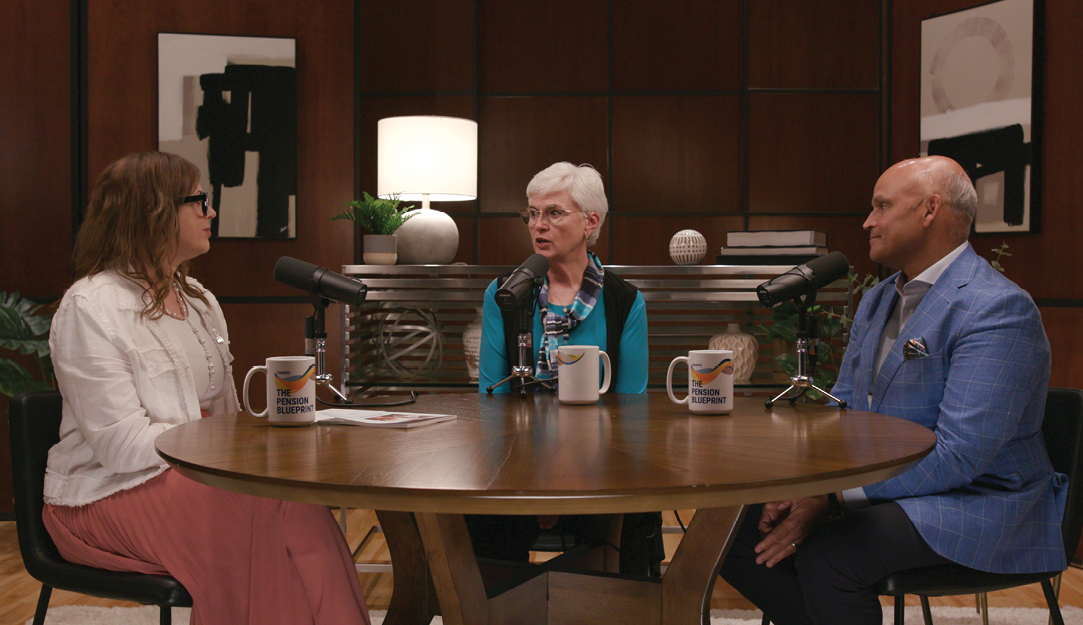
(84, 615)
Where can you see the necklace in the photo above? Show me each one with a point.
(183, 316)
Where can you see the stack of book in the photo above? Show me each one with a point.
(772, 247)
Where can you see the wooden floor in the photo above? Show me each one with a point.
(19, 592)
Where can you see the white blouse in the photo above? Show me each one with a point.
(208, 388)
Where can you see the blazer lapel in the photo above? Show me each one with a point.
(876, 385)
(925, 323)
(863, 380)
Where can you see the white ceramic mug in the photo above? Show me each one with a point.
(291, 390)
(710, 381)
(578, 378)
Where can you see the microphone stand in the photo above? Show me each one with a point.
(316, 345)
(808, 333)
(316, 336)
(523, 371)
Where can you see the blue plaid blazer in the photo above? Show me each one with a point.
(986, 497)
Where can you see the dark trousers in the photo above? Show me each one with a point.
(505, 537)
(832, 577)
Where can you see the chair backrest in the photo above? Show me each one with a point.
(35, 428)
(1063, 433)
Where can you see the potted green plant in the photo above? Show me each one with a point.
(381, 218)
(24, 331)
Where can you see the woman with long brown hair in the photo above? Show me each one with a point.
(138, 348)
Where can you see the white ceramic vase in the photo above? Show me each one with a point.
(745, 347)
(472, 346)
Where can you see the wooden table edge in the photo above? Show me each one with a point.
(460, 502)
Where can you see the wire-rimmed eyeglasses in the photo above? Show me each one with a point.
(551, 215)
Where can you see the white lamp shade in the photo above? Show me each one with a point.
(427, 155)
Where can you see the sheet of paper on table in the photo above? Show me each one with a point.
(379, 419)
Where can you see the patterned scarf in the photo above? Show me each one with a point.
(559, 321)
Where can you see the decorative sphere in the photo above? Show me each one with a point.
(430, 237)
(687, 247)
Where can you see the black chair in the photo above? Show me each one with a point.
(1063, 433)
(35, 427)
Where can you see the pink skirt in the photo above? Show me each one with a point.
(243, 559)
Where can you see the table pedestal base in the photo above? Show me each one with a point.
(555, 597)
(413, 599)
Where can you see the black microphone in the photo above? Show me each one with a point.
(803, 279)
(319, 281)
(520, 284)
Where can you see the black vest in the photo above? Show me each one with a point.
(619, 298)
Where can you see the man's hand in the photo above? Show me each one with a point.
(784, 524)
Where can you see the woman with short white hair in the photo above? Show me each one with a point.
(580, 303)
(582, 184)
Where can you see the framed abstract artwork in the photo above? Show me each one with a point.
(229, 105)
(981, 87)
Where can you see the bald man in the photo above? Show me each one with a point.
(949, 343)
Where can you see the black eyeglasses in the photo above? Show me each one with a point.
(199, 197)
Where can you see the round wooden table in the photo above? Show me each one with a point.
(509, 455)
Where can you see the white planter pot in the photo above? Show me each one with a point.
(380, 249)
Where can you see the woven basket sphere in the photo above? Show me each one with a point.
(687, 247)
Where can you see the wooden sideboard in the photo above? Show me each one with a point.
(408, 335)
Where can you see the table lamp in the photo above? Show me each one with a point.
(427, 158)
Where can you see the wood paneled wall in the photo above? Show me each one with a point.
(35, 165)
(35, 148)
(717, 115)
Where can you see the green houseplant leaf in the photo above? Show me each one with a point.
(375, 215)
(784, 323)
(788, 363)
(23, 331)
(830, 327)
(15, 379)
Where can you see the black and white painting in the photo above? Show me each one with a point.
(229, 105)
(978, 102)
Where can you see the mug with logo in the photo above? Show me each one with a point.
(291, 390)
(578, 380)
(710, 381)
